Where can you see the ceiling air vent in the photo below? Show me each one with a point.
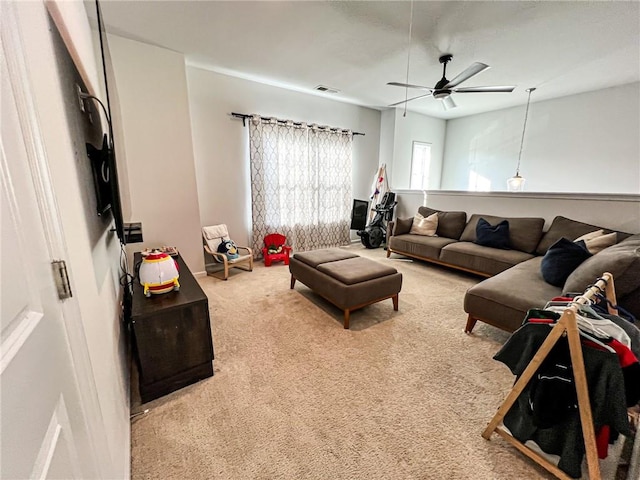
(323, 88)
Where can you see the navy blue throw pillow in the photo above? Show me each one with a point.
(562, 258)
(496, 237)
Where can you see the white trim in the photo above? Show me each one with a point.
(602, 197)
(14, 52)
(76, 36)
(26, 324)
(58, 423)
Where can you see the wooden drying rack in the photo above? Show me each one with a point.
(567, 325)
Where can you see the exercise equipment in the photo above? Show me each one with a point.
(375, 234)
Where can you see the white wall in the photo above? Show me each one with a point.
(617, 212)
(152, 87)
(220, 143)
(387, 136)
(581, 143)
(416, 127)
(92, 251)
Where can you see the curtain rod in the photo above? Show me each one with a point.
(244, 117)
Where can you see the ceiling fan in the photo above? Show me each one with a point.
(444, 88)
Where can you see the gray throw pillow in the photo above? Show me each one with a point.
(402, 226)
(621, 260)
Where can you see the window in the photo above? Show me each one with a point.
(478, 183)
(300, 183)
(420, 164)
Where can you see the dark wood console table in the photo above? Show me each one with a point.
(172, 336)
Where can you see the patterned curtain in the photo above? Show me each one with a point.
(300, 183)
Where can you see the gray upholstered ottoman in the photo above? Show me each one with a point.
(346, 279)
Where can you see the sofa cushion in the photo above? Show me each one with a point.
(562, 258)
(496, 236)
(419, 245)
(567, 228)
(524, 233)
(314, 258)
(621, 260)
(477, 258)
(450, 224)
(598, 240)
(402, 225)
(424, 225)
(355, 270)
(506, 297)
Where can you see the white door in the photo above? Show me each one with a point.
(42, 418)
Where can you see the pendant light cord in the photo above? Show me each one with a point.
(524, 128)
(406, 90)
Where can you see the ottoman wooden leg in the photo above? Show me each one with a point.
(346, 318)
(395, 302)
(293, 281)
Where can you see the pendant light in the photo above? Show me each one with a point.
(516, 183)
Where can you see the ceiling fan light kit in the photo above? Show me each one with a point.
(448, 103)
(516, 183)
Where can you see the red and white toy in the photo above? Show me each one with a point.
(158, 273)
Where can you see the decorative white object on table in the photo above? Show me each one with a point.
(158, 273)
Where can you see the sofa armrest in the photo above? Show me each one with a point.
(390, 225)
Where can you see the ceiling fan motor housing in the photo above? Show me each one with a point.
(441, 93)
(439, 90)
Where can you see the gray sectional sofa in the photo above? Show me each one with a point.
(515, 282)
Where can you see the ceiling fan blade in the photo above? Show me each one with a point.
(408, 100)
(500, 88)
(474, 69)
(448, 103)
(408, 85)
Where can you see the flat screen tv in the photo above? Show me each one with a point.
(103, 159)
(359, 214)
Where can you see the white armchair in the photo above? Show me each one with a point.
(212, 237)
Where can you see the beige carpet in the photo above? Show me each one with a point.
(402, 395)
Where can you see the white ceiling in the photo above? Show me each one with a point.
(562, 48)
